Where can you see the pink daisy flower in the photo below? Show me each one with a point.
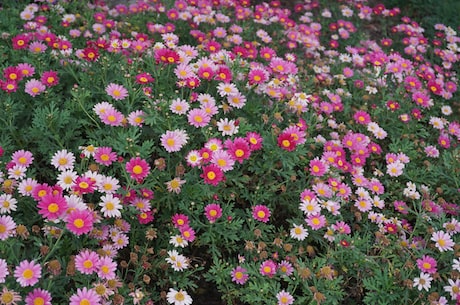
(80, 222)
(255, 140)
(85, 296)
(173, 141)
(316, 221)
(268, 268)
(257, 76)
(117, 92)
(193, 158)
(52, 206)
(3, 270)
(284, 298)
(22, 157)
(318, 167)
(137, 168)
(212, 212)
(198, 117)
(27, 273)
(443, 241)
(222, 159)
(239, 275)
(187, 233)
(180, 220)
(427, 264)
(261, 213)
(212, 174)
(112, 117)
(84, 185)
(105, 156)
(179, 106)
(87, 262)
(40, 190)
(106, 268)
(285, 268)
(362, 117)
(38, 296)
(34, 87)
(7, 227)
(26, 69)
(136, 118)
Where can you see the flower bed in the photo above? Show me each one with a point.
(288, 156)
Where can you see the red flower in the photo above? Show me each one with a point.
(90, 54)
(49, 78)
(286, 141)
(20, 41)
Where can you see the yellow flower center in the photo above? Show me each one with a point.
(211, 175)
(105, 269)
(28, 274)
(7, 297)
(39, 301)
(79, 223)
(87, 264)
(53, 208)
(174, 184)
(180, 296)
(85, 302)
(137, 169)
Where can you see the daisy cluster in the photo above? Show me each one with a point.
(282, 155)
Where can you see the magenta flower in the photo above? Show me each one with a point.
(427, 264)
(38, 296)
(138, 168)
(318, 167)
(180, 220)
(49, 78)
(27, 273)
(80, 222)
(316, 221)
(261, 213)
(105, 156)
(239, 275)
(212, 212)
(268, 268)
(52, 206)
